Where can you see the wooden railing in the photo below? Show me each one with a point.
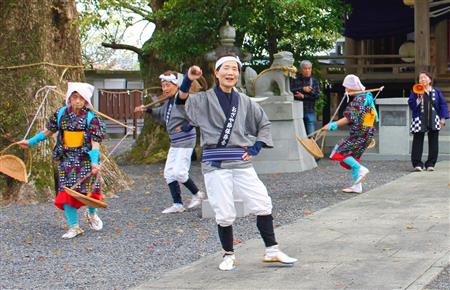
(384, 66)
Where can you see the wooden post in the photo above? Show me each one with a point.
(441, 36)
(349, 50)
(361, 61)
(422, 35)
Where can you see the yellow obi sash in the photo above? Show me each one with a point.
(73, 139)
(369, 118)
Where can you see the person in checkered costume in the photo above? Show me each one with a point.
(79, 134)
(360, 116)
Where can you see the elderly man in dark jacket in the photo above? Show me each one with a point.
(307, 90)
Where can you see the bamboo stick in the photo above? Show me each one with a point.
(366, 91)
(112, 119)
(157, 101)
(101, 114)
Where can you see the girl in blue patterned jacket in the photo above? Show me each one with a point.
(77, 150)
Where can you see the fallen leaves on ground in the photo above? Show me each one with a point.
(41, 258)
(203, 236)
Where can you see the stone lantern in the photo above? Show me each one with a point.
(227, 34)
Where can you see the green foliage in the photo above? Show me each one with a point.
(186, 30)
(264, 27)
(303, 27)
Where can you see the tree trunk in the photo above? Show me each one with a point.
(153, 143)
(32, 32)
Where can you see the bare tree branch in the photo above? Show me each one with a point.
(123, 46)
(147, 14)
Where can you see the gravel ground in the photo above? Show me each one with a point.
(442, 281)
(138, 243)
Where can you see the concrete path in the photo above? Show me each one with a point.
(393, 237)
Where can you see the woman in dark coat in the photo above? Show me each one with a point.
(429, 112)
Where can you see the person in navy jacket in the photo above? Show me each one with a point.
(429, 112)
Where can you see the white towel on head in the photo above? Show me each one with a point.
(353, 82)
(169, 78)
(224, 59)
(84, 89)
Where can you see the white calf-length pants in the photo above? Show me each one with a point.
(220, 185)
(177, 164)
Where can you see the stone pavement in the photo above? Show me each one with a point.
(393, 237)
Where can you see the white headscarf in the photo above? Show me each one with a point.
(84, 89)
(169, 78)
(224, 59)
(353, 82)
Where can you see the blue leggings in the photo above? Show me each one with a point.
(72, 215)
(354, 165)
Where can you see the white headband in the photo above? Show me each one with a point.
(224, 59)
(170, 78)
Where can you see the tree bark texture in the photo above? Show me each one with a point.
(32, 32)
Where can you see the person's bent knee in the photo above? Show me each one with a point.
(263, 207)
(169, 180)
(169, 176)
(181, 177)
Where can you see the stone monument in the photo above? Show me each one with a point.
(285, 114)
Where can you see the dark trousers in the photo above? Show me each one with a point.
(417, 148)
